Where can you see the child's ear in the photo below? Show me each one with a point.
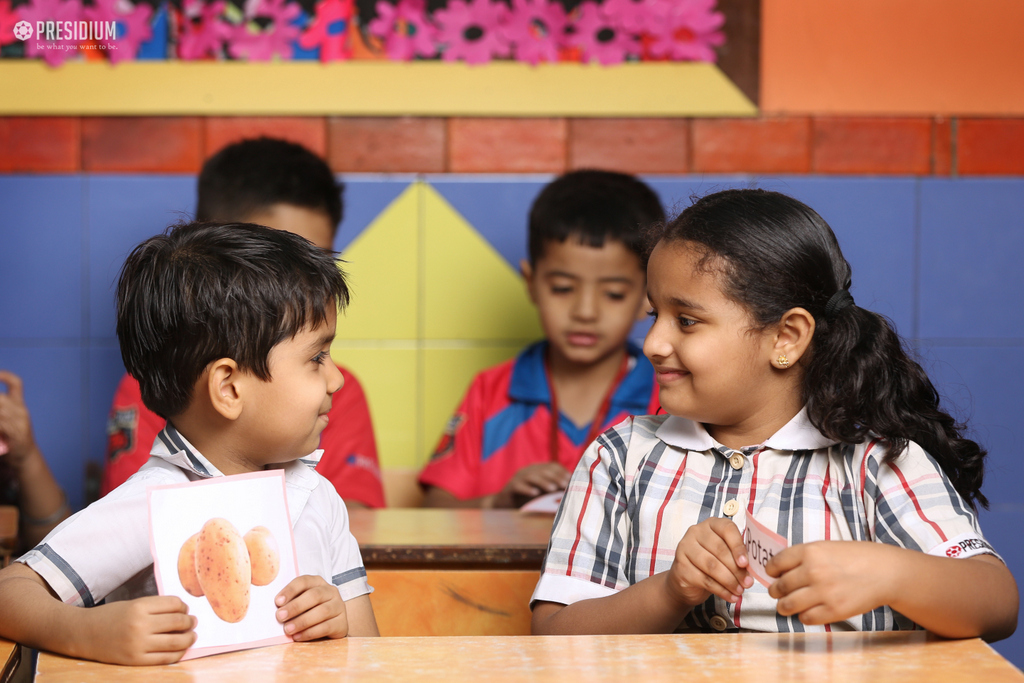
(224, 383)
(526, 270)
(792, 337)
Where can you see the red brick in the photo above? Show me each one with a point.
(942, 147)
(877, 145)
(41, 144)
(308, 131)
(772, 145)
(386, 145)
(990, 146)
(142, 144)
(630, 145)
(507, 145)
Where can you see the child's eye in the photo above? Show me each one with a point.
(616, 296)
(652, 313)
(561, 290)
(321, 357)
(686, 322)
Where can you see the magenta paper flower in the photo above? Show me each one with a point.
(250, 41)
(472, 31)
(53, 51)
(405, 28)
(598, 36)
(203, 31)
(683, 30)
(132, 26)
(329, 30)
(536, 29)
(631, 15)
(8, 18)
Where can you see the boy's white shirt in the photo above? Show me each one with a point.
(103, 552)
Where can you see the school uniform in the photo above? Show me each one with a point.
(504, 423)
(350, 461)
(643, 483)
(103, 552)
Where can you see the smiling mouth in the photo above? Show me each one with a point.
(668, 375)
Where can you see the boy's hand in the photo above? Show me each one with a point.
(311, 608)
(533, 480)
(829, 581)
(146, 631)
(711, 558)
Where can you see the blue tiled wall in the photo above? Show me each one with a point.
(940, 257)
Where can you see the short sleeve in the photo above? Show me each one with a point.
(587, 552)
(350, 450)
(911, 503)
(347, 570)
(455, 464)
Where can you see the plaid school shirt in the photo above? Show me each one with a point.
(644, 482)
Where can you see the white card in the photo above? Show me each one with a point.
(237, 574)
(545, 505)
(762, 545)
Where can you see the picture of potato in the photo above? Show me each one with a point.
(263, 555)
(187, 567)
(225, 574)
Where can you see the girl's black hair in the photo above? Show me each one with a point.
(775, 253)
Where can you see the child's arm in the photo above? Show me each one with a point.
(153, 630)
(711, 558)
(831, 581)
(311, 608)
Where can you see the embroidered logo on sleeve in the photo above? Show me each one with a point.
(363, 462)
(121, 426)
(964, 545)
(447, 444)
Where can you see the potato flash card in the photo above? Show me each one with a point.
(762, 545)
(224, 546)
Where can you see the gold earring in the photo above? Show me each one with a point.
(782, 361)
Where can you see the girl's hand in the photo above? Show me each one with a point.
(311, 608)
(829, 581)
(711, 558)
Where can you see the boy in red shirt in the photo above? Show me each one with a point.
(586, 276)
(284, 186)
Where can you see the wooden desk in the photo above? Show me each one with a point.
(10, 657)
(727, 658)
(451, 572)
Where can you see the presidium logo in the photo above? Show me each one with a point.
(67, 30)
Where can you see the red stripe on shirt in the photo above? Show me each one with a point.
(661, 510)
(583, 511)
(910, 492)
(828, 515)
(750, 511)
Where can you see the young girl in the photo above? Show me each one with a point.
(790, 404)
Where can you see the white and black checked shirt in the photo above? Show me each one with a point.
(103, 552)
(644, 482)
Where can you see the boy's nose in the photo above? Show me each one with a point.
(335, 380)
(586, 305)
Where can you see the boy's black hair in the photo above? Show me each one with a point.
(204, 291)
(593, 206)
(253, 175)
(775, 253)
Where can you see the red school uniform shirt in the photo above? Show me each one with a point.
(350, 451)
(504, 424)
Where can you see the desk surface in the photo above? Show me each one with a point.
(761, 658)
(454, 538)
(10, 656)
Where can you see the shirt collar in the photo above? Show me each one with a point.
(796, 435)
(529, 383)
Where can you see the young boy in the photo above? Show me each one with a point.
(586, 276)
(280, 185)
(228, 329)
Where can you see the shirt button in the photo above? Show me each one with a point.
(731, 508)
(719, 623)
(736, 461)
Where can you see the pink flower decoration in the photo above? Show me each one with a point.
(631, 15)
(600, 37)
(329, 30)
(132, 22)
(472, 31)
(8, 18)
(536, 29)
(249, 41)
(684, 30)
(203, 32)
(50, 10)
(405, 28)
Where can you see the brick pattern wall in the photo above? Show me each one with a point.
(923, 146)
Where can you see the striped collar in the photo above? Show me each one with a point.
(796, 435)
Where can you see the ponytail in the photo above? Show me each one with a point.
(776, 254)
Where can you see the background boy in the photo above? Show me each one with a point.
(284, 186)
(239, 365)
(586, 276)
